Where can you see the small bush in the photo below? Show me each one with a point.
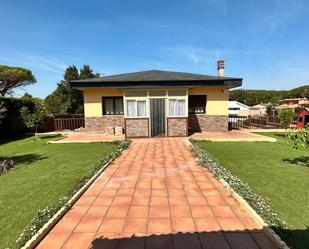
(6, 165)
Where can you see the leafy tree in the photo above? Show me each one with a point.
(270, 109)
(13, 77)
(34, 119)
(65, 100)
(2, 111)
(254, 97)
(286, 117)
(300, 137)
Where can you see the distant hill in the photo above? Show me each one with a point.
(254, 97)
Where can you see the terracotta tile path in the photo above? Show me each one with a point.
(156, 196)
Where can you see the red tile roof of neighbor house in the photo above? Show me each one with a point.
(157, 78)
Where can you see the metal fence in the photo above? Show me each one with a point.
(236, 122)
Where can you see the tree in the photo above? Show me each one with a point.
(2, 111)
(13, 77)
(34, 119)
(300, 137)
(65, 100)
(286, 117)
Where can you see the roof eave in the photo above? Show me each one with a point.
(231, 83)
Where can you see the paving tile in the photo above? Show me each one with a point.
(215, 201)
(183, 225)
(96, 212)
(241, 240)
(117, 212)
(78, 241)
(159, 242)
(158, 192)
(53, 240)
(122, 200)
(112, 225)
(201, 211)
(186, 240)
(223, 211)
(135, 225)
(180, 211)
(197, 201)
(103, 201)
(132, 243)
(125, 192)
(138, 211)
(159, 225)
(159, 211)
(158, 201)
(206, 225)
(140, 201)
(88, 225)
(177, 201)
(66, 224)
(85, 201)
(213, 241)
(230, 224)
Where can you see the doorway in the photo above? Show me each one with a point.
(157, 117)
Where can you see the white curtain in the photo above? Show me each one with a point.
(131, 108)
(181, 107)
(172, 107)
(177, 107)
(141, 108)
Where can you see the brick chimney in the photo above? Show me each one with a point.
(220, 68)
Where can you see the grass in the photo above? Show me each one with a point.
(44, 173)
(278, 173)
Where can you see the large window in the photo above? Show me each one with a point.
(197, 104)
(177, 107)
(112, 105)
(136, 108)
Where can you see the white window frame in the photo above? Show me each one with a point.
(136, 99)
(148, 97)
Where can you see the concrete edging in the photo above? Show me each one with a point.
(36, 239)
(270, 233)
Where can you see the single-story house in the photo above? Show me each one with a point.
(157, 103)
(238, 109)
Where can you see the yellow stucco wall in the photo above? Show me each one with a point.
(93, 100)
(217, 99)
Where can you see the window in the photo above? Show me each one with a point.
(136, 108)
(300, 119)
(177, 107)
(181, 93)
(234, 108)
(112, 105)
(197, 104)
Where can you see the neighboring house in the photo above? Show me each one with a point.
(303, 118)
(238, 109)
(292, 103)
(157, 103)
(258, 110)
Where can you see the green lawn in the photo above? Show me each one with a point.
(273, 171)
(44, 173)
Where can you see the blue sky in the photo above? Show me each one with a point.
(265, 42)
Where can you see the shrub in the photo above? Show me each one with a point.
(6, 165)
